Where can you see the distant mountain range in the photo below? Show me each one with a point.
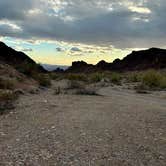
(153, 58)
(54, 67)
(18, 59)
(138, 60)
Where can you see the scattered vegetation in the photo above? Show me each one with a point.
(32, 70)
(43, 79)
(76, 77)
(55, 76)
(7, 84)
(116, 78)
(27, 68)
(76, 87)
(96, 77)
(154, 79)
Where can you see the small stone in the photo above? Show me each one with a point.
(2, 134)
(19, 92)
(17, 139)
(161, 157)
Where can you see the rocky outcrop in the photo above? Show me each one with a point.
(138, 60)
(17, 59)
(80, 66)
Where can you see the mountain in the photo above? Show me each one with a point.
(80, 66)
(18, 60)
(153, 58)
(54, 67)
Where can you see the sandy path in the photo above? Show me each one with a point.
(118, 128)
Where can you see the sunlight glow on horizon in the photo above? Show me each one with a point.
(56, 53)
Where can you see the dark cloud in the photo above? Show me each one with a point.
(109, 22)
(15, 10)
(59, 49)
(75, 49)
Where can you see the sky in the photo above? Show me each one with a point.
(62, 31)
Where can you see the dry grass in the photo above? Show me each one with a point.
(154, 79)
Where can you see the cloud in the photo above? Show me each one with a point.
(59, 49)
(75, 49)
(27, 50)
(121, 23)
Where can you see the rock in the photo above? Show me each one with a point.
(34, 91)
(19, 92)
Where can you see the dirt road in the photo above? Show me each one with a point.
(119, 128)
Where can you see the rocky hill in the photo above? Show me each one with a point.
(138, 60)
(18, 60)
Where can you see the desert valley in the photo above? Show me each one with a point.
(104, 114)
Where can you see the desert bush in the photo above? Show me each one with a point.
(7, 83)
(43, 79)
(54, 76)
(76, 77)
(154, 79)
(116, 78)
(96, 77)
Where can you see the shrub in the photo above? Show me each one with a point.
(154, 79)
(96, 77)
(44, 80)
(7, 84)
(76, 77)
(116, 78)
(54, 76)
(163, 83)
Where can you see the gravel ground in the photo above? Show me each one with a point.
(119, 128)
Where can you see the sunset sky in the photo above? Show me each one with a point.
(61, 31)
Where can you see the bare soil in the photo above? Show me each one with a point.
(117, 128)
